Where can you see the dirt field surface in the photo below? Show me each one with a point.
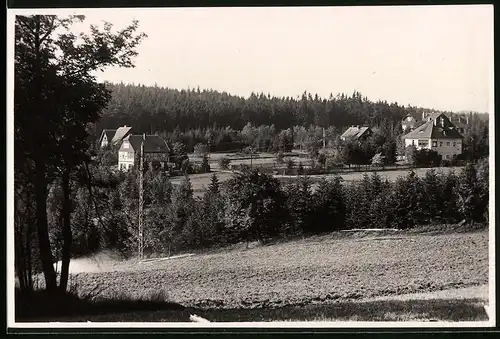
(303, 272)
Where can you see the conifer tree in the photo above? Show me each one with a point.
(329, 210)
(433, 197)
(468, 193)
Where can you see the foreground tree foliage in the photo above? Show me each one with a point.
(56, 100)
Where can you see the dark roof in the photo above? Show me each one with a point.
(152, 143)
(437, 131)
(354, 132)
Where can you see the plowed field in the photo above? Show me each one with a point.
(304, 271)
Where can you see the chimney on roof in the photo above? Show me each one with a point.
(467, 120)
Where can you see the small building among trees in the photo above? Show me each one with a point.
(408, 123)
(356, 133)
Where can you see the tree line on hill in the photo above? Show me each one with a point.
(267, 123)
(159, 109)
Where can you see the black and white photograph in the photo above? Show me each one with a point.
(251, 167)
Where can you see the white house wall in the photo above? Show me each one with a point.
(104, 141)
(447, 148)
(125, 160)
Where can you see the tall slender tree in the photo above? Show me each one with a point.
(56, 98)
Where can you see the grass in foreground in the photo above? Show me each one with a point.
(393, 310)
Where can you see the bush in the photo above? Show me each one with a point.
(224, 163)
(201, 149)
(426, 157)
(205, 165)
(280, 158)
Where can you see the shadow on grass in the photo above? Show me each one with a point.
(43, 306)
(157, 311)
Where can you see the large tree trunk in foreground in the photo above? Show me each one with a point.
(66, 232)
(42, 227)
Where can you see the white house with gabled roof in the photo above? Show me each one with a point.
(438, 134)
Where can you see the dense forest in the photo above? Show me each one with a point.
(231, 122)
(159, 109)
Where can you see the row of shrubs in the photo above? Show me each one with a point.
(254, 205)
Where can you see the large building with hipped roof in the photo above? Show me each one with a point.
(439, 134)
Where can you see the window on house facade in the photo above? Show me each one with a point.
(125, 144)
(413, 142)
(447, 156)
(454, 143)
(423, 143)
(122, 166)
(434, 143)
(447, 143)
(440, 143)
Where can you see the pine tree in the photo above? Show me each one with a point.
(329, 209)
(205, 165)
(182, 210)
(408, 200)
(300, 169)
(448, 186)
(214, 187)
(483, 182)
(433, 197)
(300, 204)
(468, 193)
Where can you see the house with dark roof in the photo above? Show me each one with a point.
(408, 123)
(461, 122)
(356, 133)
(155, 151)
(438, 133)
(106, 137)
(114, 136)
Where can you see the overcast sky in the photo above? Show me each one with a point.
(432, 56)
